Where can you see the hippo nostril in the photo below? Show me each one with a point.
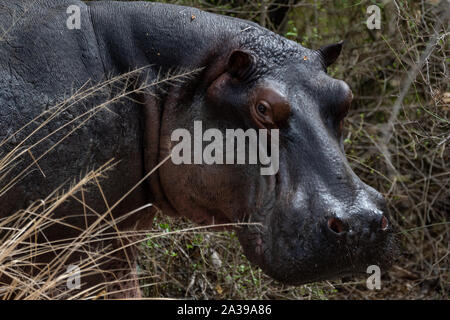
(336, 225)
(384, 223)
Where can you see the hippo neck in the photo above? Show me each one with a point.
(164, 36)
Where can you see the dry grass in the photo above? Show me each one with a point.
(22, 276)
(19, 249)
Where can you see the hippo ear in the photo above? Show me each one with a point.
(330, 53)
(240, 64)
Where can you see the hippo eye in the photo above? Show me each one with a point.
(263, 114)
(262, 108)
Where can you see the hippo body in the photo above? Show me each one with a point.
(43, 62)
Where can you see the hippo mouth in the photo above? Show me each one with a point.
(301, 261)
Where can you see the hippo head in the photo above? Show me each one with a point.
(314, 218)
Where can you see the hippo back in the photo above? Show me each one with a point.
(52, 130)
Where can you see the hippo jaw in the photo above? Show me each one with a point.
(296, 256)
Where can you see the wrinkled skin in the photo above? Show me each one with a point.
(316, 219)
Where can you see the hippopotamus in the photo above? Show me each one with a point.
(313, 219)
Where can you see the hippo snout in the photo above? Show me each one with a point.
(323, 241)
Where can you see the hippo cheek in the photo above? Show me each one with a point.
(207, 194)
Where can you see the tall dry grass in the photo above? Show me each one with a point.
(23, 275)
